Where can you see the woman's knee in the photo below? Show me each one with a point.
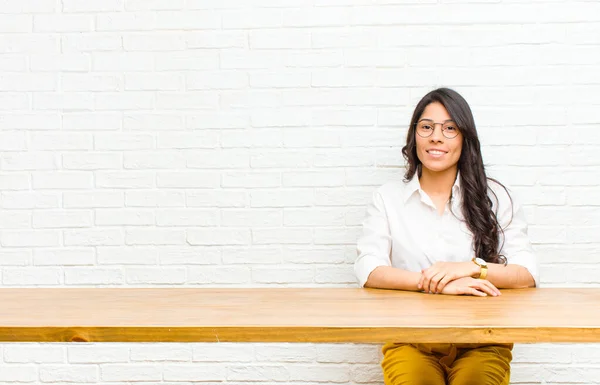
(404, 365)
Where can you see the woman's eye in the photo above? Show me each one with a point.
(426, 127)
(450, 128)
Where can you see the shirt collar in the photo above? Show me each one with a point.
(414, 185)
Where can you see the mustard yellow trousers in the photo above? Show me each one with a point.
(446, 364)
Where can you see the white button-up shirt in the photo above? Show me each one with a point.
(403, 229)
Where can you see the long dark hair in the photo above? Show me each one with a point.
(477, 206)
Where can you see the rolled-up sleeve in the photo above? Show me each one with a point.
(516, 246)
(375, 242)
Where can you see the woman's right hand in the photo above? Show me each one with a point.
(471, 286)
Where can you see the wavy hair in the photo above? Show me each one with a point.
(477, 206)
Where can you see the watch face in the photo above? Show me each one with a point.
(481, 261)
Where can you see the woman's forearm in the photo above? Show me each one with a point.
(509, 276)
(386, 277)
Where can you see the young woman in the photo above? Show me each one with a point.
(446, 229)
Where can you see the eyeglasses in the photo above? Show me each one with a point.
(425, 128)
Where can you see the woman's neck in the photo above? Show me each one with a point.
(438, 183)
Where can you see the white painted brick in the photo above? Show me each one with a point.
(187, 217)
(251, 179)
(316, 17)
(31, 276)
(69, 373)
(153, 160)
(219, 275)
(190, 179)
(36, 43)
(231, 99)
(122, 61)
(57, 63)
(313, 178)
(15, 23)
(377, 177)
(134, 372)
(281, 236)
(92, 82)
(12, 101)
(90, 42)
(30, 200)
(213, 80)
(28, 161)
(217, 120)
(87, 6)
(283, 274)
(253, 18)
(257, 373)
(310, 59)
(336, 236)
(64, 256)
(57, 142)
(15, 219)
(542, 353)
(154, 198)
(282, 198)
(258, 138)
(189, 255)
(63, 23)
(187, 61)
(154, 236)
(364, 354)
(19, 373)
(330, 373)
(217, 39)
(190, 100)
(281, 159)
(180, 140)
(125, 179)
(167, 352)
(314, 217)
(19, 257)
(141, 81)
(222, 159)
(62, 180)
(127, 255)
(155, 276)
(154, 42)
(194, 373)
(52, 219)
(218, 236)
(92, 199)
(151, 121)
(547, 234)
(29, 6)
(30, 238)
(131, 100)
(124, 217)
(126, 21)
(286, 353)
(63, 101)
(365, 373)
(93, 276)
(93, 237)
(34, 354)
(216, 198)
(97, 354)
(24, 121)
(302, 138)
(153, 5)
(313, 255)
(92, 161)
(335, 274)
(223, 352)
(342, 197)
(252, 255)
(251, 218)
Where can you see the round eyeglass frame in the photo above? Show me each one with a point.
(444, 131)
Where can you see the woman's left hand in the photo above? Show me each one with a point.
(438, 275)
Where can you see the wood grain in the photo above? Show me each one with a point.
(296, 315)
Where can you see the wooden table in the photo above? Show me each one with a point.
(296, 315)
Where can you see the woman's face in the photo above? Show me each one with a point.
(437, 153)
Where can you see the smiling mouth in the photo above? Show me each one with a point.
(436, 152)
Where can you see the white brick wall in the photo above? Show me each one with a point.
(236, 143)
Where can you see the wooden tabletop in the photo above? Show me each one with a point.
(297, 315)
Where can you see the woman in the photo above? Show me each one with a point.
(446, 229)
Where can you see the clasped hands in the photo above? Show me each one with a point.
(455, 278)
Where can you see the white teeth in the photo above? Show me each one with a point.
(436, 152)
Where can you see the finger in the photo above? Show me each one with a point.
(444, 282)
(496, 290)
(426, 278)
(476, 292)
(481, 285)
(435, 280)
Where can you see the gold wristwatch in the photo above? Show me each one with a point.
(483, 267)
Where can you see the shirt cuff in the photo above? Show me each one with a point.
(364, 266)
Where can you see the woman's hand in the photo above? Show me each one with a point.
(438, 275)
(471, 286)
